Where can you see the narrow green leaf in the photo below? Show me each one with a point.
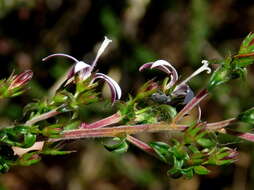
(162, 150)
(118, 146)
(247, 116)
(201, 170)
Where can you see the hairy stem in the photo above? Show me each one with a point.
(41, 117)
(118, 131)
(135, 129)
(220, 124)
(113, 119)
(242, 135)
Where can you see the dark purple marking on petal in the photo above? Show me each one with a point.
(163, 66)
(116, 91)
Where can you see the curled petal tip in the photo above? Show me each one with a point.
(160, 63)
(145, 66)
(116, 91)
(165, 67)
(60, 55)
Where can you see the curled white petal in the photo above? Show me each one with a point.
(116, 91)
(160, 63)
(60, 55)
(165, 67)
(80, 66)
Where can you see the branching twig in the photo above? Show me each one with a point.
(43, 116)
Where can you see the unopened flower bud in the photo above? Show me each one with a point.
(20, 80)
(232, 155)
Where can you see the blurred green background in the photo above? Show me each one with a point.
(183, 32)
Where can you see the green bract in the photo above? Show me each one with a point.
(247, 116)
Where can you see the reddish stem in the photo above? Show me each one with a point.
(128, 130)
(113, 119)
(194, 101)
(244, 55)
(246, 136)
(41, 117)
(220, 124)
(118, 131)
(140, 144)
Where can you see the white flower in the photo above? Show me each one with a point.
(84, 70)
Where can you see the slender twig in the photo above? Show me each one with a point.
(244, 55)
(135, 129)
(43, 116)
(220, 124)
(118, 131)
(242, 135)
(113, 119)
(140, 144)
(194, 102)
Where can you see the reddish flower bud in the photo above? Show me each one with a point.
(19, 81)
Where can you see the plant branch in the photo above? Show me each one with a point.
(113, 119)
(140, 144)
(43, 116)
(242, 135)
(188, 107)
(118, 131)
(220, 124)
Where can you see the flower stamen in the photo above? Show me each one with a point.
(204, 67)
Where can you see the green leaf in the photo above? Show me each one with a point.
(29, 140)
(145, 115)
(201, 170)
(167, 112)
(72, 125)
(193, 133)
(118, 145)
(221, 75)
(55, 152)
(29, 159)
(4, 165)
(247, 45)
(188, 172)
(53, 131)
(162, 150)
(205, 142)
(247, 116)
(21, 136)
